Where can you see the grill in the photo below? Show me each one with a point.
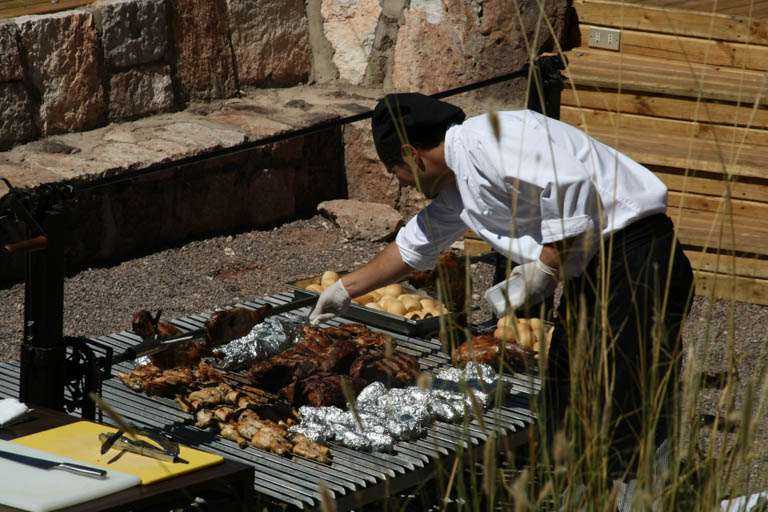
(354, 478)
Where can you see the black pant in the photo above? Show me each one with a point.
(620, 352)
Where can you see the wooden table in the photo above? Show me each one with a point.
(236, 476)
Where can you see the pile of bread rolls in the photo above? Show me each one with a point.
(529, 333)
(390, 299)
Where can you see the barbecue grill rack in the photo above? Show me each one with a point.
(354, 478)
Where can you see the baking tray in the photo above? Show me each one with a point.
(427, 328)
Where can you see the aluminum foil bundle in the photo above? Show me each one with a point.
(266, 339)
(386, 416)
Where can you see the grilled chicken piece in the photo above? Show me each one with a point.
(397, 370)
(231, 324)
(138, 377)
(306, 448)
(188, 353)
(249, 423)
(204, 418)
(153, 381)
(271, 437)
(487, 349)
(229, 431)
(208, 397)
(207, 374)
(223, 412)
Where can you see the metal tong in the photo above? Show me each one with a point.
(165, 448)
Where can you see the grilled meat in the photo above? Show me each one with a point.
(204, 418)
(271, 437)
(229, 431)
(231, 324)
(360, 335)
(315, 353)
(397, 370)
(208, 397)
(153, 381)
(451, 270)
(249, 423)
(138, 377)
(322, 389)
(306, 448)
(487, 349)
(188, 353)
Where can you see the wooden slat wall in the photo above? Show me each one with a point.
(687, 95)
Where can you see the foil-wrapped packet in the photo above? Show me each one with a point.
(266, 339)
(385, 416)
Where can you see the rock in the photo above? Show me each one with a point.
(270, 39)
(16, 124)
(204, 62)
(133, 32)
(10, 59)
(357, 220)
(350, 27)
(62, 58)
(138, 92)
(447, 44)
(367, 178)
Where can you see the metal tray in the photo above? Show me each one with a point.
(428, 328)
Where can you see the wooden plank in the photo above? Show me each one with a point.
(689, 49)
(754, 291)
(688, 109)
(747, 209)
(728, 265)
(715, 232)
(677, 151)
(758, 9)
(610, 70)
(14, 8)
(671, 21)
(711, 184)
(668, 127)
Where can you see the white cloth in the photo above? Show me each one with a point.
(11, 410)
(559, 182)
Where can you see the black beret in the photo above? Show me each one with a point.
(421, 116)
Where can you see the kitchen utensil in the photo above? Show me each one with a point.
(50, 464)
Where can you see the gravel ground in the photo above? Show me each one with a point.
(203, 275)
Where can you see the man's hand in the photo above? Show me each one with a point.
(334, 301)
(529, 283)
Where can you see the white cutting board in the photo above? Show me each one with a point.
(39, 490)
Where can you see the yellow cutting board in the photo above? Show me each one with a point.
(80, 441)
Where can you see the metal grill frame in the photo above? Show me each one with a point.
(354, 478)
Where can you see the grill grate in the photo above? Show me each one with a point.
(354, 478)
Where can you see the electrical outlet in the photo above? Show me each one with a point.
(606, 38)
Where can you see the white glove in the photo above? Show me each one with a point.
(529, 283)
(334, 301)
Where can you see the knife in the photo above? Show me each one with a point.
(153, 346)
(49, 464)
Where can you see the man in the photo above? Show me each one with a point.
(565, 208)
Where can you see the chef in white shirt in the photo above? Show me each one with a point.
(564, 208)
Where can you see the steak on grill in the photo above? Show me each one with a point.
(315, 353)
(322, 389)
(397, 370)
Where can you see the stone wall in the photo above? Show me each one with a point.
(70, 81)
(117, 60)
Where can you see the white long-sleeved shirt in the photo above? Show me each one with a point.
(544, 181)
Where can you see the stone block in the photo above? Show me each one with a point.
(63, 65)
(16, 121)
(359, 220)
(10, 59)
(350, 28)
(204, 62)
(141, 91)
(442, 45)
(133, 32)
(367, 178)
(270, 39)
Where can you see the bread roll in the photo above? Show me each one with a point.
(363, 299)
(374, 305)
(328, 278)
(385, 300)
(506, 333)
(410, 304)
(525, 336)
(395, 307)
(393, 290)
(506, 320)
(427, 304)
(315, 288)
(536, 325)
(376, 295)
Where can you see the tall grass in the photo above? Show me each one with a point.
(715, 449)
